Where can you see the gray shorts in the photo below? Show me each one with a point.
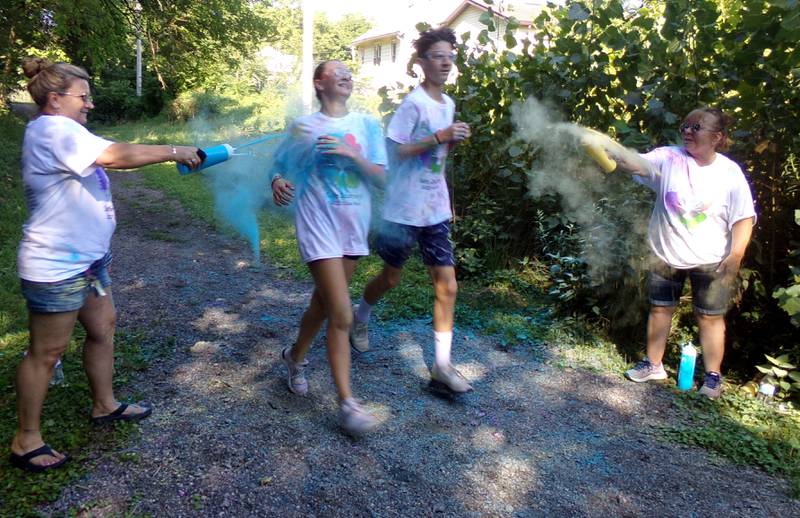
(711, 294)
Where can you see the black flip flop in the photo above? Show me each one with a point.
(24, 461)
(120, 415)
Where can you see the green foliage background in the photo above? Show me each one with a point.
(634, 73)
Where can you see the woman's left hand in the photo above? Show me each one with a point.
(729, 267)
(330, 145)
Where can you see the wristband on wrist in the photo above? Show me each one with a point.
(436, 137)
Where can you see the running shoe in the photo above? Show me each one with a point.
(295, 373)
(354, 420)
(646, 371)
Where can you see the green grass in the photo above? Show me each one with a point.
(12, 214)
(742, 429)
(65, 419)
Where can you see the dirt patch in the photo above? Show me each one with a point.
(228, 439)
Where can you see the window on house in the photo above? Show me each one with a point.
(376, 58)
(363, 56)
(394, 52)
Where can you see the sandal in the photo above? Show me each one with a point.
(120, 415)
(24, 461)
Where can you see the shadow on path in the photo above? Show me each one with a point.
(228, 439)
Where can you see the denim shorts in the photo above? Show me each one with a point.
(69, 294)
(395, 242)
(711, 294)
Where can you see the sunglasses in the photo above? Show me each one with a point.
(86, 98)
(695, 127)
(441, 56)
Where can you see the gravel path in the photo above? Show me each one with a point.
(228, 439)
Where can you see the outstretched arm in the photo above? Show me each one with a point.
(130, 156)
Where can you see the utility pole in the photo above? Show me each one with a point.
(138, 9)
(308, 55)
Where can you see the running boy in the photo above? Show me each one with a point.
(417, 204)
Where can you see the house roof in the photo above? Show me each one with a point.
(523, 11)
(377, 33)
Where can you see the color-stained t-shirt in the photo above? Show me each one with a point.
(332, 197)
(70, 214)
(416, 193)
(696, 206)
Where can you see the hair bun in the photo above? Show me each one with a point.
(32, 66)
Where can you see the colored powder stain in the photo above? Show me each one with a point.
(691, 222)
(672, 202)
(102, 178)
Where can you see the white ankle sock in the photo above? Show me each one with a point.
(442, 340)
(363, 311)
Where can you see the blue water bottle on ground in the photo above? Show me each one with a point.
(686, 368)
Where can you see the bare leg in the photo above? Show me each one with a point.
(712, 338)
(386, 280)
(445, 289)
(310, 323)
(331, 277)
(49, 337)
(99, 318)
(658, 326)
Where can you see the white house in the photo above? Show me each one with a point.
(385, 51)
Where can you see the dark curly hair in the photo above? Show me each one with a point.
(428, 38)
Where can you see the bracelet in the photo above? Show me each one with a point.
(276, 176)
(174, 151)
(436, 137)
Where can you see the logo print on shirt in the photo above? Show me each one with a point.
(689, 217)
(430, 158)
(338, 173)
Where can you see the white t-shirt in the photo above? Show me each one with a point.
(70, 215)
(416, 193)
(333, 206)
(695, 207)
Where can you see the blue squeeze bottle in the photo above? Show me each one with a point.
(686, 368)
(209, 156)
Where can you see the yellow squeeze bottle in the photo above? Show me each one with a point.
(598, 154)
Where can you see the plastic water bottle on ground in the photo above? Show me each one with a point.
(765, 392)
(686, 368)
(58, 374)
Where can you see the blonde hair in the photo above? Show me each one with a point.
(45, 77)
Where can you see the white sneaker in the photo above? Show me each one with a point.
(295, 373)
(449, 379)
(646, 371)
(353, 419)
(359, 335)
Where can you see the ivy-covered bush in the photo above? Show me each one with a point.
(632, 71)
